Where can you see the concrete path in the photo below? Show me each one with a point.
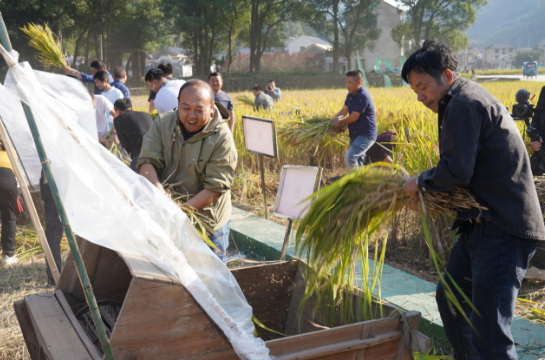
(262, 239)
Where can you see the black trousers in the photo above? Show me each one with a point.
(53, 226)
(8, 203)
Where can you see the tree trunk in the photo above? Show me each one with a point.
(107, 56)
(87, 46)
(230, 54)
(253, 33)
(336, 36)
(77, 46)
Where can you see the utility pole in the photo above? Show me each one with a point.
(101, 50)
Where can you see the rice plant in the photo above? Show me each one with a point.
(47, 44)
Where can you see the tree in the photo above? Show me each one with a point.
(264, 31)
(348, 24)
(444, 20)
(527, 55)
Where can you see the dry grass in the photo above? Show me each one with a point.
(26, 277)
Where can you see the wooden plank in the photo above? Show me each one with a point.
(142, 268)
(90, 254)
(422, 343)
(268, 289)
(54, 332)
(77, 326)
(322, 351)
(160, 321)
(27, 329)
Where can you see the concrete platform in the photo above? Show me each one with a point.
(262, 239)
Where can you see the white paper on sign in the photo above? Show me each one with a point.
(297, 186)
(259, 136)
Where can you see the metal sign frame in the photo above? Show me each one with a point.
(285, 169)
(275, 140)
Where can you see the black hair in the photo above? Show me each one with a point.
(165, 67)
(154, 74)
(123, 104)
(214, 74)
(356, 74)
(257, 87)
(432, 58)
(2, 147)
(271, 81)
(119, 72)
(97, 64)
(197, 83)
(101, 76)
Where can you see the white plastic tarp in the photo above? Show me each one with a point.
(109, 205)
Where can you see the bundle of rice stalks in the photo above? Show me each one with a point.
(246, 100)
(311, 134)
(345, 218)
(49, 46)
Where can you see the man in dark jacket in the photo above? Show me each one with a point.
(481, 149)
(130, 127)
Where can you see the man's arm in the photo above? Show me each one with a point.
(203, 198)
(231, 120)
(459, 146)
(342, 113)
(148, 171)
(82, 76)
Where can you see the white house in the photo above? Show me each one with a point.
(388, 17)
(304, 41)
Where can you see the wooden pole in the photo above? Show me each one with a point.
(286, 240)
(28, 201)
(76, 255)
(263, 186)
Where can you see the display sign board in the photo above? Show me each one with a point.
(260, 136)
(297, 183)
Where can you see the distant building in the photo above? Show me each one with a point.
(304, 41)
(181, 63)
(500, 56)
(388, 17)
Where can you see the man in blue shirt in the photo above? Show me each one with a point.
(96, 66)
(358, 113)
(273, 91)
(119, 83)
(215, 80)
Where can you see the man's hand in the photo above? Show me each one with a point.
(148, 171)
(115, 139)
(412, 190)
(337, 125)
(536, 145)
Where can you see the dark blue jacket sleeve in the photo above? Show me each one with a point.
(87, 78)
(360, 104)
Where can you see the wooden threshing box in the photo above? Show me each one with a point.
(149, 315)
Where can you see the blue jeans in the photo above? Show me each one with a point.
(488, 264)
(221, 239)
(355, 155)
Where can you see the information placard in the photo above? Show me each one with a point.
(297, 183)
(260, 136)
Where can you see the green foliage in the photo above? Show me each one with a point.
(527, 55)
(432, 19)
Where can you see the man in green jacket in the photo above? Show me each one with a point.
(193, 147)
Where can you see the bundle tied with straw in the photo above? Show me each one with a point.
(344, 220)
(311, 134)
(47, 44)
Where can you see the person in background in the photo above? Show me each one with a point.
(110, 93)
(216, 82)
(166, 98)
(382, 148)
(8, 204)
(262, 100)
(96, 66)
(480, 149)
(166, 68)
(197, 130)
(131, 126)
(120, 76)
(103, 107)
(273, 91)
(358, 113)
